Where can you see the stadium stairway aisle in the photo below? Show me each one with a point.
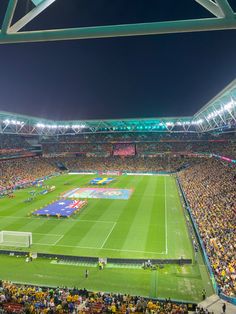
(214, 304)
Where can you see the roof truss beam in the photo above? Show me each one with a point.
(30, 15)
(125, 30)
(212, 7)
(8, 16)
(225, 19)
(226, 8)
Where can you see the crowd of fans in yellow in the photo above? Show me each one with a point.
(22, 171)
(210, 187)
(37, 300)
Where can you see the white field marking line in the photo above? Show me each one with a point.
(52, 244)
(166, 233)
(102, 221)
(96, 248)
(58, 240)
(72, 220)
(29, 217)
(47, 234)
(38, 218)
(112, 228)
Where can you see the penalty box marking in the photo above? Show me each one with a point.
(60, 236)
(95, 248)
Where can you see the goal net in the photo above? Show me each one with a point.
(15, 238)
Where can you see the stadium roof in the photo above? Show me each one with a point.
(219, 114)
(223, 17)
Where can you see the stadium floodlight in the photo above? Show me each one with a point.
(229, 106)
(169, 123)
(197, 122)
(226, 108)
(64, 126)
(14, 122)
(40, 125)
(216, 113)
(15, 238)
(59, 126)
(78, 126)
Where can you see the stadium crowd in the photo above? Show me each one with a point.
(135, 137)
(210, 187)
(11, 141)
(129, 164)
(224, 148)
(209, 184)
(37, 300)
(129, 143)
(21, 171)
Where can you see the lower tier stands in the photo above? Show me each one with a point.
(28, 299)
(22, 170)
(210, 187)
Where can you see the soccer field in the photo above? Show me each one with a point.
(150, 224)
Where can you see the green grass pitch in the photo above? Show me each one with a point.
(151, 224)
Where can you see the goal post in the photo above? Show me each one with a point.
(15, 238)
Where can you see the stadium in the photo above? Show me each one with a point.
(132, 215)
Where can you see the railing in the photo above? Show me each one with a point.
(94, 259)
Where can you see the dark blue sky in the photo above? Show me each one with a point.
(149, 76)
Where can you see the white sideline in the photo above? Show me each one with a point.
(47, 234)
(102, 221)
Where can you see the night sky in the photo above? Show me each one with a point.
(132, 77)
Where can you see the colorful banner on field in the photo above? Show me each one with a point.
(101, 181)
(61, 208)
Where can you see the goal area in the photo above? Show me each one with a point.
(15, 238)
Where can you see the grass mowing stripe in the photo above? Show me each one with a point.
(137, 232)
(166, 231)
(153, 284)
(155, 238)
(125, 215)
(181, 234)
